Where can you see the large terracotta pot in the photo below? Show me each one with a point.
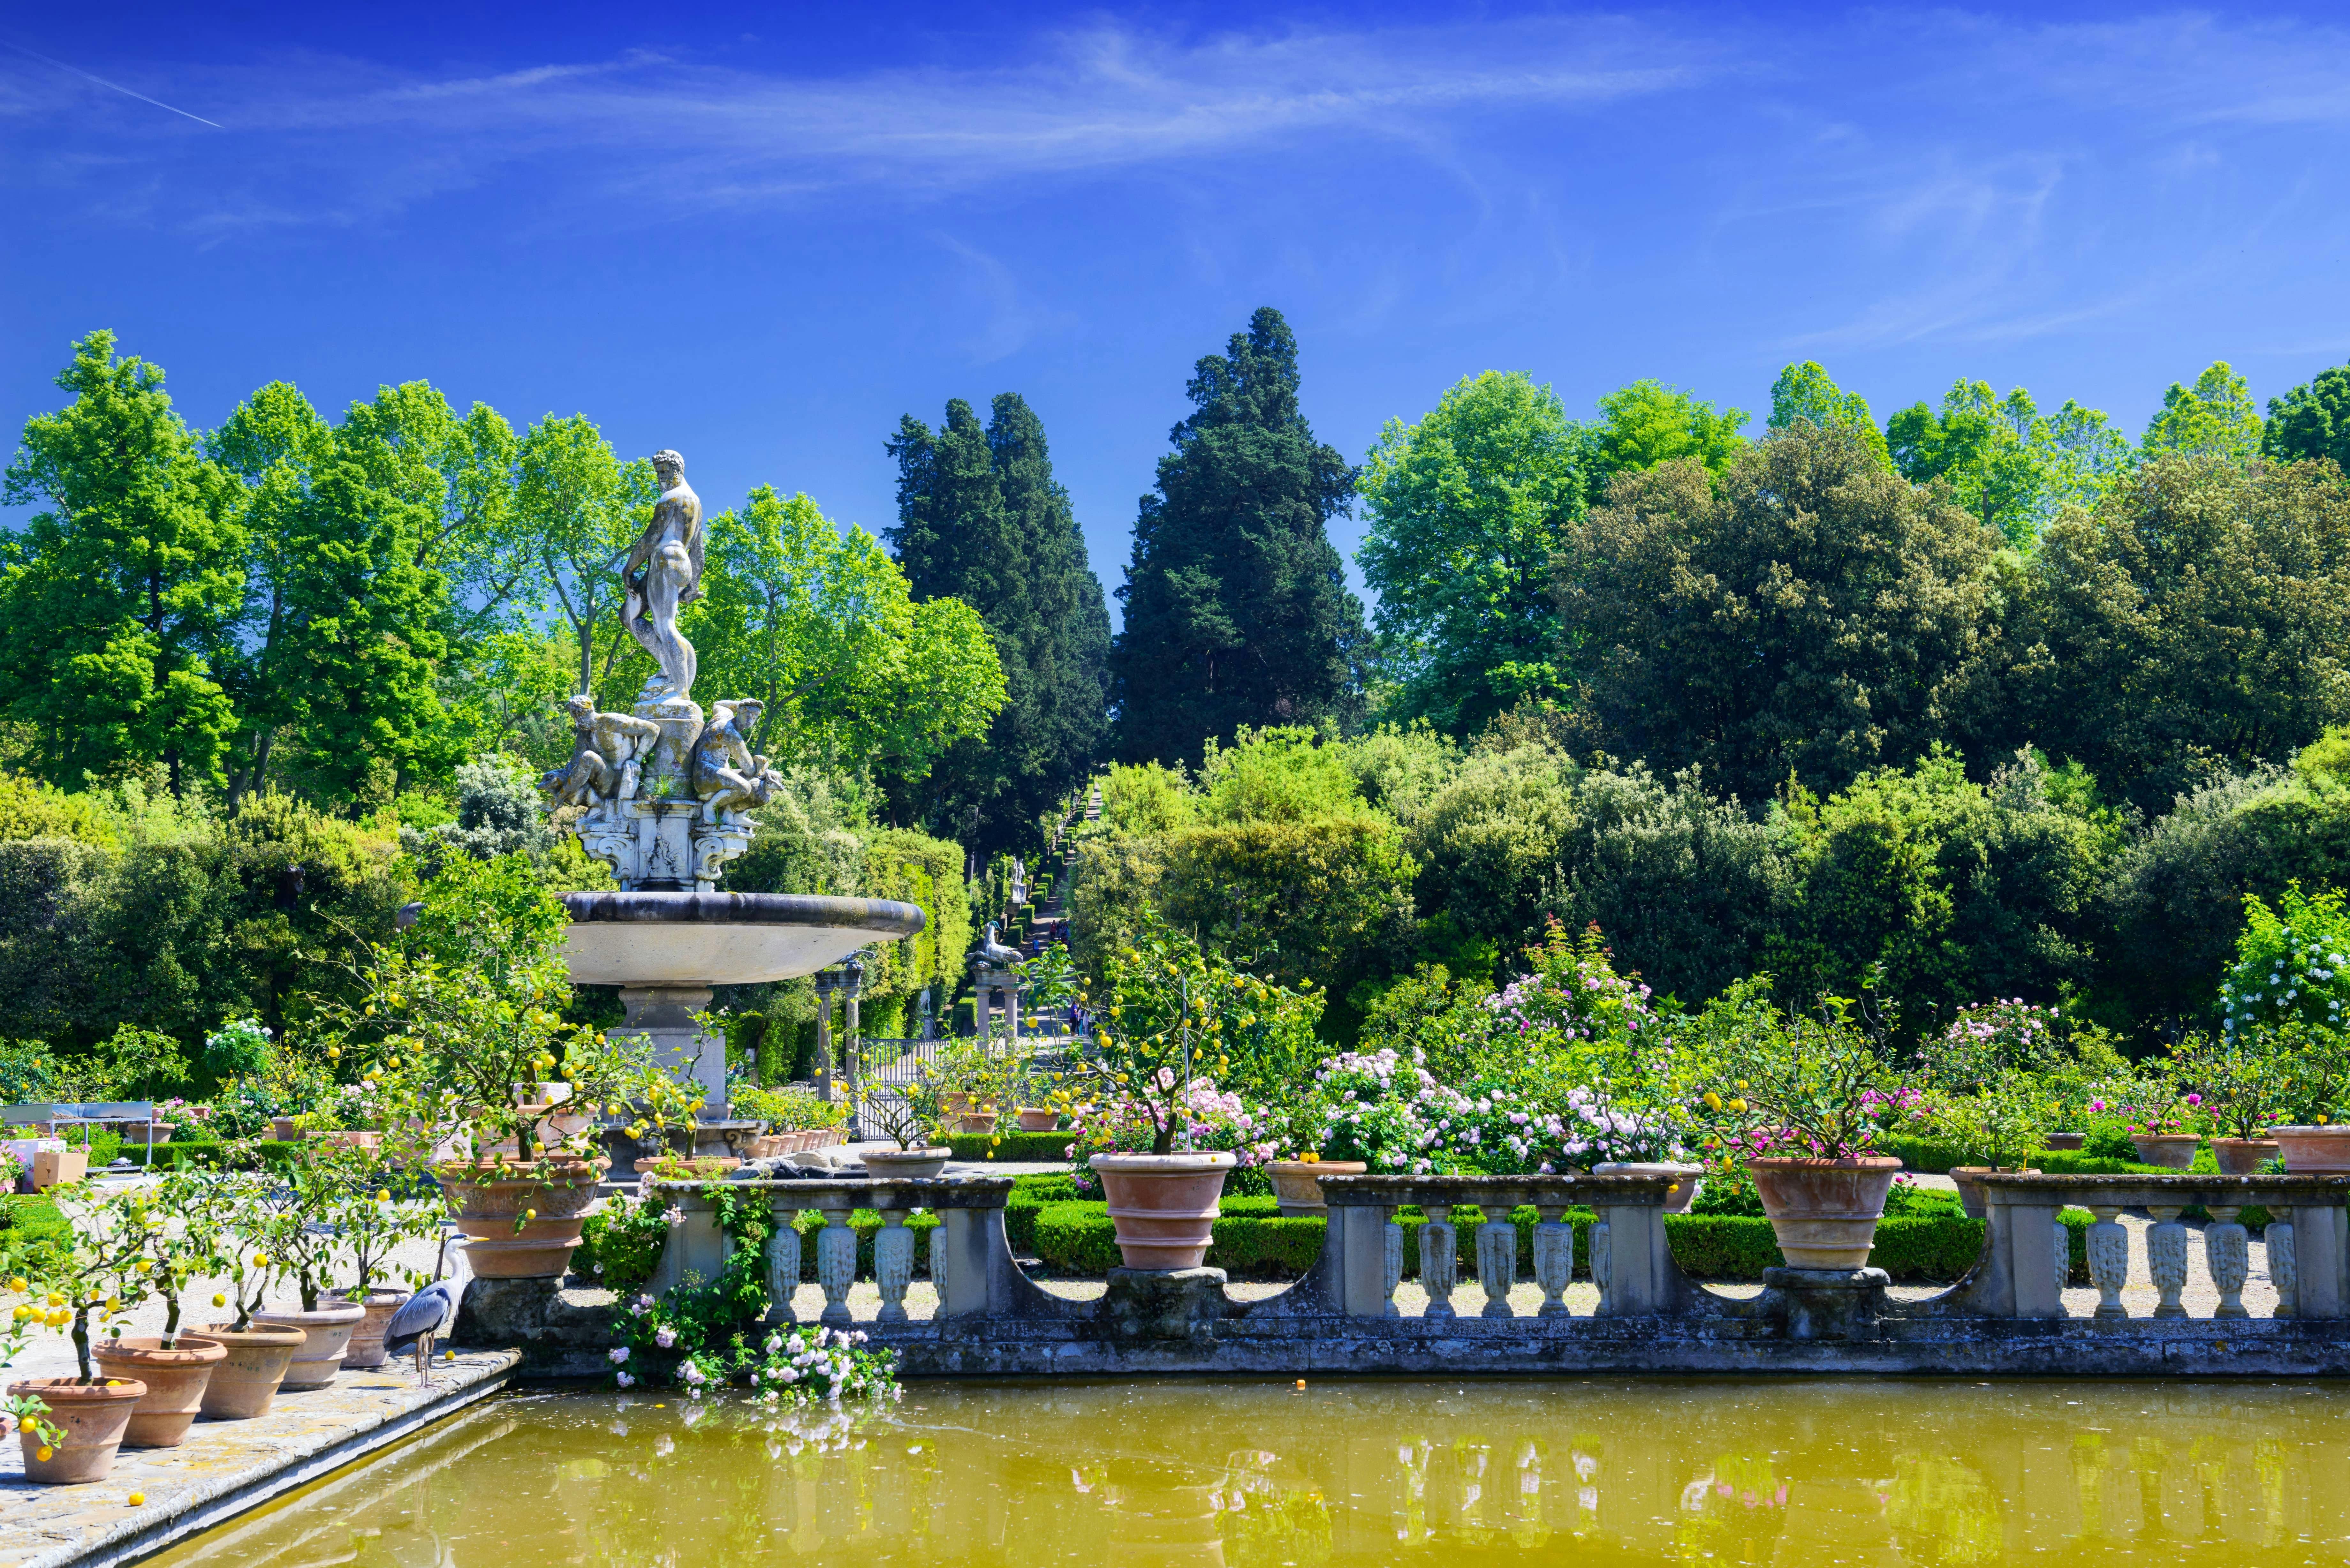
(244, 1383)
(2243, 1156)
(365, 1348)
(974, 1122)
(2314, 1151)
(1686, 1182)
(491, 1203)
(175, 1380)
(907, 1164)
(1034, 1118)
(92, 1417)
(1825, 1211)
(1295, 1189)
(326, 1336)
(2068, 1140)
(1968, 1181)
(1163, 1206)
(2172, 1151)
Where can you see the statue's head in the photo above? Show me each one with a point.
(582, 707)
(668, 465)
(747, 711)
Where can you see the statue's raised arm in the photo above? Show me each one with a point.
(664, 573)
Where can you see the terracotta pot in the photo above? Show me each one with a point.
(175, 1379)
(1163, 1206)
(244, 1383)
(976, 1122)
(1033, 1119)
(283, 1130)
(2314, 1151)
(1686, 1184)
(1825, 1211)
(502, 1245)
(2068, 1140)
(1968, 1180)
(93, 1417)
(2243, 1156)
(2172, 1151)
(1293, 1186)
(365, 1348)
(325, 1334)
(907, 1165)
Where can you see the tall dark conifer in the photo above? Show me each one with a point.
(981, 518)
(1237, 610)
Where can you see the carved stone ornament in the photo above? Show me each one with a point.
(667, 797)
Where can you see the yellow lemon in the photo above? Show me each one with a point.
(219, 1299)
(530, 1213)
(20, 1285)
(43, 1453)
(1712, 1100)
(334, 1053)
(1738, 1105)
(261, 1260)
(136, 1499)
(383, 1195)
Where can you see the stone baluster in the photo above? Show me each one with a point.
(1440, 1260)
(1554, 1259)
(2165, 1261)
(836, 1262)
(1603, 1255)
(2285, 1272)
(1497, 1260)
(1391, 1260)
(2108, 1260)
(893, 1263)
(783, 1257)
(2228, 1253)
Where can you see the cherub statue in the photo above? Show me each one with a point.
(607, 753)
(725, 775)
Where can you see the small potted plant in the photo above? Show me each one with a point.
(911, 1120)
(2156, 1107)
(375, 1225)
(1999, 1128)
(244, 1232)
(2246, 1087)
(311, 1208)
(75, 1435)
(176, 1368)
(1800, 1099)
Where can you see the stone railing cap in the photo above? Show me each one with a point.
(1419, 1191)
(863, 1192)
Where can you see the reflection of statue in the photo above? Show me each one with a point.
(664, 573)
(605, 749)
(725, 775)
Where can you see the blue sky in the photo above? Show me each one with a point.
(761, 235)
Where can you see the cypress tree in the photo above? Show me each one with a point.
(1237, 610)
(981, 518)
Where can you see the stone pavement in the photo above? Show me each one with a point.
(227, 1467)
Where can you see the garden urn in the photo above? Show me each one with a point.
(365, 1348)
(2243, 1156)
(91, 1416)
(1163, 1206)
(2172, 1151)
(1296, 1188)
(907, 1164)
(326, 1336)
(1825, 1211)
(1678, 1197)
(2068, 1141)
(175, 1379)
(245, 1382)
(522, 1221)
(2315, 1150)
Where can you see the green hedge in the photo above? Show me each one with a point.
(33, 1236)
(1931, 1156)
(1019, 1146)
(210, 1155)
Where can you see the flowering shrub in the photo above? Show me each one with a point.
(1206, 1117)
(1788, 1085)
(1394, 1116)
(1575, 991)
(2293, 963)
(795, 1364)
(1996, 1037)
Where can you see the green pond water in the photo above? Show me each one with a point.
(1150, 1473)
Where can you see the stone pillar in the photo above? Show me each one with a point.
(1638, 1256)
(2165, 1261)
(1497, 1265)
(835, 1264)
(1439, 1262)
(893, 1263)
(1554, 1259)
(2227, 1252)
(2108, 1260)
(2319, 1245)
(1356, 1229)
(664, 1016)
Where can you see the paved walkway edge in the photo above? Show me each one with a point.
(142, 1533)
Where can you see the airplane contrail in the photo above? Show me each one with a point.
(117, 87)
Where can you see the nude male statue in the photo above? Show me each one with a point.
(725, 775)
(663, 574)
(607, 752)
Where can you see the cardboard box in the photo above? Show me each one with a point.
(53, 1167)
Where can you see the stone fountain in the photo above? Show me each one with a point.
(663, 795)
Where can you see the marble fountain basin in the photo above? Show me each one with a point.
(694, 940)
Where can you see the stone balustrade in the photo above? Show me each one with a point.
(2009, 1314)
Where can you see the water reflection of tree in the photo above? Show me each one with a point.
(1943, 1514)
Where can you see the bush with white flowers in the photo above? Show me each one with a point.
(2292, 964)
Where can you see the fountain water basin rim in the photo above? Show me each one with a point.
(688, 939)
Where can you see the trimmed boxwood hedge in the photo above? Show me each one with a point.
(1019, 1146)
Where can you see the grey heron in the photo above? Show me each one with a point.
(425, 1316)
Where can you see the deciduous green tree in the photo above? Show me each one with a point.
(1237, 610)
(2009, 465)
(2311, 421)
(579, 507)
(119, 598)
(1647, 423)
(1806, 394)
(2214, 418)
(1465, 507)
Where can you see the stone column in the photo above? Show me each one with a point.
(852, 987)
(2165, 1261)
(664, 1016)
(893, 1263)
(2108, 1260)
(1554, 1258)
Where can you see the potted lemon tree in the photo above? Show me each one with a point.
(176, 1368)
(93, 1282)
